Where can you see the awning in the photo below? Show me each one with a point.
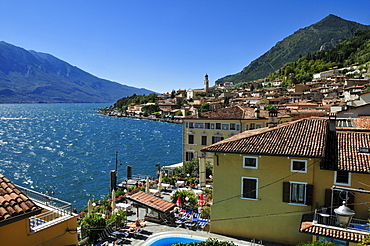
(152, 202)
(171, 167)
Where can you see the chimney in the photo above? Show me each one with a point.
(332, 121)
(256, 113)
(272, 118)
(199, 114)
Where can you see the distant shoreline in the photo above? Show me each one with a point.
(119, 114)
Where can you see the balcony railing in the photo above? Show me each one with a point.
(322, 218)
(62, 207)
(57, 208)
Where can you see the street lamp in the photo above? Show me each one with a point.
(116, 160)
(344, 215)
(113, 175)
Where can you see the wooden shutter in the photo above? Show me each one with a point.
(309, 194)
(328, 198)
(286, 192)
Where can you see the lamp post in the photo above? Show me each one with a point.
(344, 215)
(116, 161)
(113, 175)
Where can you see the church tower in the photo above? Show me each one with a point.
(206, 83)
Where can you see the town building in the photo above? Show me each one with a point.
(192, 93)
(211, 127)
(283, 184)
(30, 218)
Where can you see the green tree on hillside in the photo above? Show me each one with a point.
(355, 50)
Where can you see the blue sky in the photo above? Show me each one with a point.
(163, 45)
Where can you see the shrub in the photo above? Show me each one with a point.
(93, 224)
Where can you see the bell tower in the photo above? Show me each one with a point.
(206, 83)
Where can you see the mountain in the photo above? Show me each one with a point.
(355, 50)
(29, 76)
(322, 35)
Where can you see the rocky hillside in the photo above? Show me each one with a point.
(322, 35)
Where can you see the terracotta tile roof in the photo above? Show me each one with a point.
(150, 201)
(339, 150)
(362, 122)
(12, 201)
(235, 112)
(343, 151)
(346, 235)
(304, 138)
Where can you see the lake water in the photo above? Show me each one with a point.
(70, 149)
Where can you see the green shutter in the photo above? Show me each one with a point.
(309, 194)
(286, 192)
(327, 198)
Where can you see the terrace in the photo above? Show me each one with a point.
(337, 223)
(54, 211)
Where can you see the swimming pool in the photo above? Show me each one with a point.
(172, 239)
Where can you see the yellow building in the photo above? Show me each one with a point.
(211, 127)
(282, 184)
(29, 218)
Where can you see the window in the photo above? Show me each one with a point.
(249, 188)
(199, 125)
(258, 126)
(204, 140)
(212, 125)
(299, 166)
(232, 126)
(190, 139)
(207, 125)
(246, 127)
(191, 124)
(218, 126)
(364, 150)
(225, 126)
(342, 178)
(299, 193)
(216, 139)
(252, 126)
(250, 162)
(189, 156)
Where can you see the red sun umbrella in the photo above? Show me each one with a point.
(201, 201)
(179, 202)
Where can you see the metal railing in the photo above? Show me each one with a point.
(59, 206)
(323, 218)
